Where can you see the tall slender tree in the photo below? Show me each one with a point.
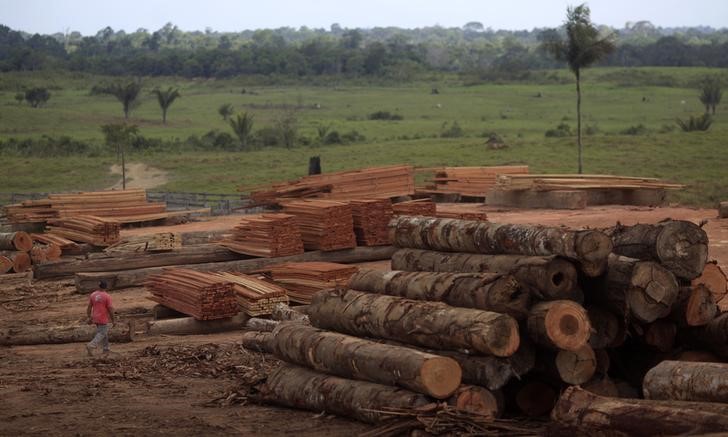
(582, 46)
(710, 93)
(242, 126)
(126, 93)
(165, 99)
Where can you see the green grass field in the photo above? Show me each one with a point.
(613, 100)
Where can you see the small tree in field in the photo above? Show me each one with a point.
(37, 97)
(165, 99)
(710, 94)
(225, 110)
(581, 48)
(126, 93)
(242, 126)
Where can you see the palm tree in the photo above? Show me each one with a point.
(710, 93)
(242, 126)
(582, 47)
(165, 99)
(127, 94)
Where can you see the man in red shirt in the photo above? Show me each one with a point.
(100, 312)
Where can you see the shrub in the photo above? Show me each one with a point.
(562, 130)
(640, 129)
(333, 137)
(699, 123)
(353, 137)
(454, 131)
(384, 115)
(37, 97)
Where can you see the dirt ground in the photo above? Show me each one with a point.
(139, 175)
(194, 385)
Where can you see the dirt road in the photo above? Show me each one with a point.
(139, 175)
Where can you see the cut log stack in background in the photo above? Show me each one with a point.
(14, 252)
(304, 279)
(87, 229)
(366, 183)
(202, 295)
(603, 329)
(324, 224)
(266, 235)
(424, 207)
(255, 296)
(371, 221)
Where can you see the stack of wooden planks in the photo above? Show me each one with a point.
(63, 243)
(550, 182)
(158, 242)
(256, 297)
(471, 181)
(266, 235)
(303, 279)
(424, 207)
(202, 295)
(324, 224)
(375, 182)
(371, 221)
(87, 229)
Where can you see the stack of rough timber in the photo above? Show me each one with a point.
(86, 229)
(266, 235)
(371, 221)
(202, 295)
(375, 182)
(471, 181)
(304, 279)
(14, 252)
(255, 297)
(63, 243)
(570, 191)
(424, 207)
(324, 224)
(159, 242)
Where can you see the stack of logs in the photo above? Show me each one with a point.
(304, 279)
(589, 315)
(18, 253)
(325, 225)
(86, 229)
(371, 221)
(202, 295)
(256, 297)
(424, 207)
(266, 235)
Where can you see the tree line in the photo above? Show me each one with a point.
(384, 52)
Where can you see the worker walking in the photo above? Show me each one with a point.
(100, 312)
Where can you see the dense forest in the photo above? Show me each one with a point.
(386, 52)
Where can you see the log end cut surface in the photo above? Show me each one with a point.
(652, 291)
(576, 367)
(441, 376)
(682, 247)
(567, 325)
(593, 248)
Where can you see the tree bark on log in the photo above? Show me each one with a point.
(589, 248)
(296, 387)
(284, 313)
(687, 381)
(121, 332)
(258, 341)
(546, 277)
(559, 324)
(578, 407)
(260, 325)
(429, 324)
(608, 330)
(679, 246)
(20, 260)
(476, 400)
(16, 241)
(694, 306)
(488, 292)
(210, 253)
(577, 366)
(356, 358)
(713, 336)
(87, 282)
(190, 326)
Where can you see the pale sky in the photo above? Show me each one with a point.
(89, 16)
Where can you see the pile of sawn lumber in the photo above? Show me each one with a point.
(202, 295)
(324, 224)
(87, 229)
(256, 297)
(365, 183)
(18, 253)
(424, 207)
(266, 235)
(371, 221)
(518, 313)
(304, 279)
(470, 181)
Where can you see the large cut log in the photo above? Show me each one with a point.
(19, 241)
(190, 326)
(87, 282)
(20, 261)
(296, 387)
(589, 248)
(546, 277)
(476, 400)
(714, 279)
(641, 289)
(608, 330)
(713, 336)
(694, 306)
(559, 324)
(687, 381)
(356, 358)
(108, 262)
(489, 292)
(680, 246)
(579, 408)
(260, 325)
(258, 341)
(429, 324)
(121, 332)
(283, 312)
(577, 366)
